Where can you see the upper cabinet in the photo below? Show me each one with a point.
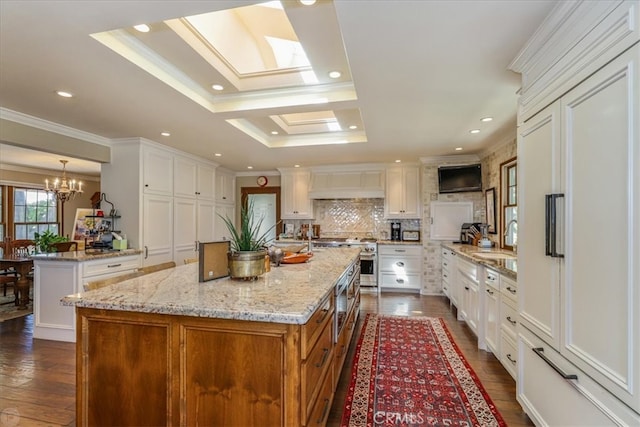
(402, 192)
(296, 203)
(157, 169)
(192, 179)
(225, 187)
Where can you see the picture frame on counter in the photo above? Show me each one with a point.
(490, 200)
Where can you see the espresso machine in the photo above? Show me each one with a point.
(396, 234)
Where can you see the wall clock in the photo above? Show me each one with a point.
(262, 181)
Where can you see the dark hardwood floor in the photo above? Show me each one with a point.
(37, 377)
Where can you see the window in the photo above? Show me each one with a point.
(509, 183)
(33, 211)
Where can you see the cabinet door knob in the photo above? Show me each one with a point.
(400, 264)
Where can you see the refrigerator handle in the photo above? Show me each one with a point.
(551, 225)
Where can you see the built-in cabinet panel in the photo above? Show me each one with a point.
(157, 232)
(356, 182)
(157, 167)
(221, 232)
(579, 204)
(402, 192)
(185, 229)
(225, 187)
(185, 177)
(492, 310)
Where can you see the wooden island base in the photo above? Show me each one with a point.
(157, 369)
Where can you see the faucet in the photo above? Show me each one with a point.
(506, 233)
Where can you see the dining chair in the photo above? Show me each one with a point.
(22, 247)
(65, 246)
(6, 281)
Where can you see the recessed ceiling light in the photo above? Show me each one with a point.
(335, 74)
(143, 28)
(308, 2)
(64, 94)
(296, 166)
(249, 167)
(165, 134)
(474, 131)
(218, 154)
(458, 148)
(217, 87)
(274, 132)
(353, 127)
(486, 119)
(398, 161)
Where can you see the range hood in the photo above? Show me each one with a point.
(366, 183)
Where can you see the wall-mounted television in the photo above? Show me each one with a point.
(459, 179)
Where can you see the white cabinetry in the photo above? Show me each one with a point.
(225, 206)
(491, 310)
(157, 169)
(400, 267)
(468, 309)
(447, 269)
(165, 198)
(579, 281)
(508, 325)
(296, 203)
(225, 187)
(54, 280)
(402, 192)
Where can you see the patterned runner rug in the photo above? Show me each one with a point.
(408, 371)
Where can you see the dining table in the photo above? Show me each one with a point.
(22, 265)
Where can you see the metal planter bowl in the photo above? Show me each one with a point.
(246, 265)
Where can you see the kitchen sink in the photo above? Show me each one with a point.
(494, 255)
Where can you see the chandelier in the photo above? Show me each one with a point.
(62, 188)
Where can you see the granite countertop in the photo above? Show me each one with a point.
(79, 256)
(287, 294)
(508, 267)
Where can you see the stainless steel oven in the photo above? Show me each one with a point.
(368, 256)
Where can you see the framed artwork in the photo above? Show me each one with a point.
(88, 223)
(490, 200)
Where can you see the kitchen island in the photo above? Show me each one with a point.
(61, 273)
(165, 349)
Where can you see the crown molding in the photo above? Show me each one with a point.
(53, 127)
(45, 172)
(459, 159)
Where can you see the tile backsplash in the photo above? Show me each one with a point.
(352, 218)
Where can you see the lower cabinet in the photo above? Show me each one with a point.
(54, 280)
(468, 309)
(400, 267)
(492, 311)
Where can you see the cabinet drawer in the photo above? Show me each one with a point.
(508, 355)
(509, 288)
(492, 278)
(509, 318)
(111, 265)
(314, 368)
(406, 281)
(401, 263)
(402, 250)
(313, 327)
(468, 269)
(320, 411)
(537, 378)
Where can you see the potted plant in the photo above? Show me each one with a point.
(248, 245)
(43, 241)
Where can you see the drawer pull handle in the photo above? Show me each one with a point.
(466, 288)
(400, 250)
(113, 265)
(489, 291)
(510, 289)
(513, 322)
(511, 359)
(324, 412)
(325, 354)
(321, 319)
(444, 275)
(445, 264)
(540, 352)
(400, 264)
(399, 280)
